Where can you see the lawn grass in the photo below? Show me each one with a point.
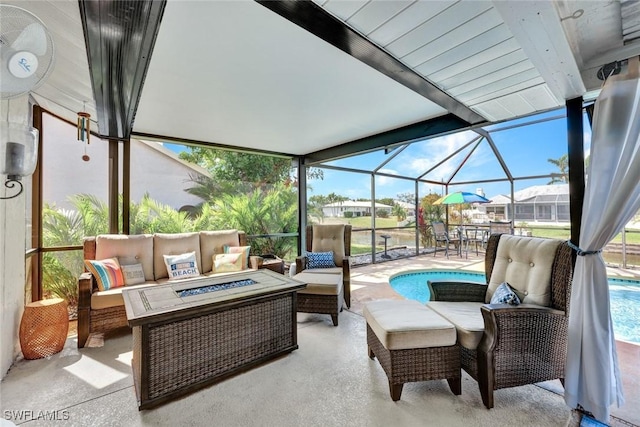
(365, 222)
(632, 237)
(362, 249)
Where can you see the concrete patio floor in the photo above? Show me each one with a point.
(371, 282)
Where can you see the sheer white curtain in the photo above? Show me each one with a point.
(612, 197)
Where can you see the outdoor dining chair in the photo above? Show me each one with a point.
(474, 236)
(441, 235)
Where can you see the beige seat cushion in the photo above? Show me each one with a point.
(213, 243)
(405, 324)
(319, 283)
(329, 270)
(525, 263)
(138, 247)
(173, 244)
(466, 317)
(113, 297)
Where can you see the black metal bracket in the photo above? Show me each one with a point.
(10, 183)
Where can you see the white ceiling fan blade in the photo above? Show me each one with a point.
(32, 39)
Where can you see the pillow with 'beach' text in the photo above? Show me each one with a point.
(181, 266)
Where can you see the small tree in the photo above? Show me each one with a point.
(407, 197)
(562, 163)
(399, 212)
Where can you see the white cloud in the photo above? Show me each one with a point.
(385, 180)
(434, 150)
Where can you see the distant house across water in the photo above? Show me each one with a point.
(540, 203)
(337, 209)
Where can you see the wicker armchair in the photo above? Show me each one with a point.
(342, 252)
(509, 345)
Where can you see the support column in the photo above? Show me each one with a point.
(126, 186)
(302, 204)
(575, 140)
(113, 186)
(373, 218)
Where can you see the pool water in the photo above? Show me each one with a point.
(624, 296)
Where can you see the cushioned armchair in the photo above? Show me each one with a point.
(335, 238)
(507, 345)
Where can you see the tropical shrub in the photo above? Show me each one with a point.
(259, 213)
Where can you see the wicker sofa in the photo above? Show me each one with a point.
(100, 311)
(505, 345)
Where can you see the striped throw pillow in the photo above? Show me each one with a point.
(107, 273)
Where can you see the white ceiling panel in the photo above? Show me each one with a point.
(486, 47)
(516, 105)
(538, 80)
(401, 24)
(539, 97)
(488, 68)
(503, 84)
(480, 24)
(344, 9)
(376, 13)
(264, 83)
(493, 111)
(497, 79)
(446, 21)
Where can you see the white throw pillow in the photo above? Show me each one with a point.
(181, 266)
(133, 274)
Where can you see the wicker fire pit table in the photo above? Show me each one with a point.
(190, 334)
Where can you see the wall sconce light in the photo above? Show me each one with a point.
(18, 154)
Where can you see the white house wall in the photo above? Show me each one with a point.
(64, 172)
(162, 177)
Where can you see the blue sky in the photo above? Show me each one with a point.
(525, 150)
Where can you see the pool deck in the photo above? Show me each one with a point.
(371, 282)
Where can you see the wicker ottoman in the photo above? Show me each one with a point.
(324, 294)
(412, 343)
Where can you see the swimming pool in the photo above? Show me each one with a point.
(624, 296)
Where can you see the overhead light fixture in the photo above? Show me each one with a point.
(18, 154)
